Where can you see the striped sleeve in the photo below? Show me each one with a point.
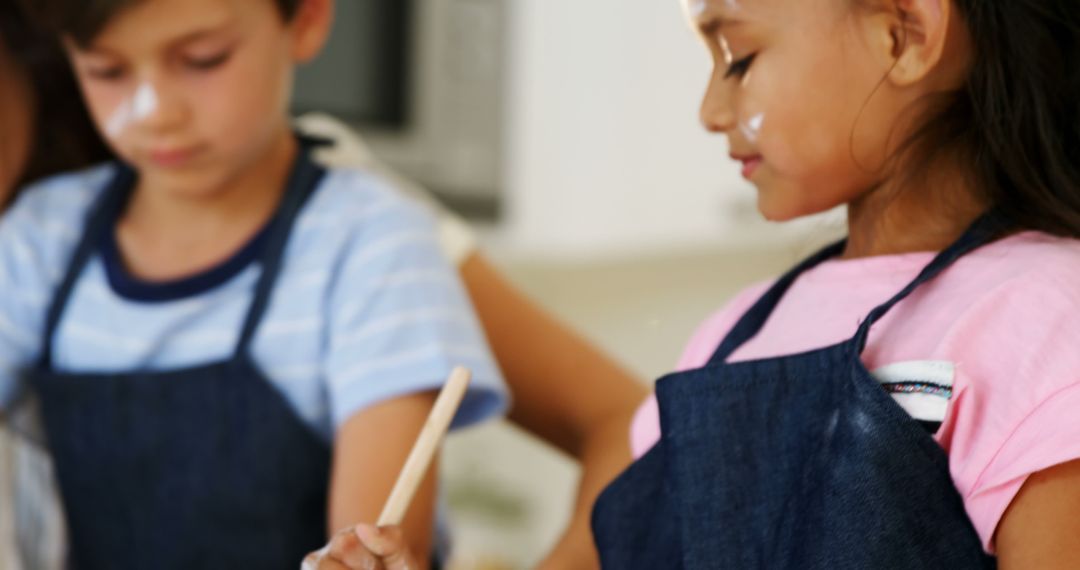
(400, 321)
(36, 236)
(17, 324)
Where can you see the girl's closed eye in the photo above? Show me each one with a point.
(738, 68)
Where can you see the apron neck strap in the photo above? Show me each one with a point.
(303, 180)
(103, 213)
(983, 231)
(753, 320)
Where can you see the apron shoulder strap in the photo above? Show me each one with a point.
(303, 180)
(983, 231)
(99, 220)
(753, 320)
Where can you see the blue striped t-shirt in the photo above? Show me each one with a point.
(366, 307)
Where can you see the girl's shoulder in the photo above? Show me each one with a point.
(712, 330)
(1033, 247)
(1029, 261)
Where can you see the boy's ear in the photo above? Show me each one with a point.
(912, 36)
(311, 27)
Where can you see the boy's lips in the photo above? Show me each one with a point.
(750, 163)
(173, 157)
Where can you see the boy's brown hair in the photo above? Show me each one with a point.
(83, 20)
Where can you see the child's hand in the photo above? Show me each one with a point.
(364, 548)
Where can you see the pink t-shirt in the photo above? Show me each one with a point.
(1002, 326)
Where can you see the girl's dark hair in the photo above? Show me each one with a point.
(83, 20)
(63, 136)
(1016, 121)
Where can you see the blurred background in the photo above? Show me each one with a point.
(566, 132)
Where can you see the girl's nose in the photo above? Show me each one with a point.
(717, 114)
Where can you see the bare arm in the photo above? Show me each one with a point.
(565, 391)
(369, 452)
(1041, 528)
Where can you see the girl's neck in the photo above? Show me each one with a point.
(896, 217)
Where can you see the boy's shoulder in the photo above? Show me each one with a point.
(44, 224)
(359, 200)
(50, 214)
(63, 197)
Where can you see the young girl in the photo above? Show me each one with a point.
(949, 128)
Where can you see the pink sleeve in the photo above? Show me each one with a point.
(645, 427)
(1048, 436)
(1016, 395)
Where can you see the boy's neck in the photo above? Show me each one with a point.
(257, 187)
(164, 235)
(896, 218)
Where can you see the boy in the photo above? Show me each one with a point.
(232, 347)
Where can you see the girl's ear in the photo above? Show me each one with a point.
(911, 37)
(311, 27)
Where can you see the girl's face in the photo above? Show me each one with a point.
(16, 118)
(798, 88)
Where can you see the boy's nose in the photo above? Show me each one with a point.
(717, 115)
(156, 107)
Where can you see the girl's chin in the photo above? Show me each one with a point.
(776, 205)
(784, 204)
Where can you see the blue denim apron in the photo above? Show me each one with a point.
(800, 461)
(206, 467)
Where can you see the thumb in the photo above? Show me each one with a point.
(389, 545)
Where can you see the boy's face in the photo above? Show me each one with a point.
(190, 92)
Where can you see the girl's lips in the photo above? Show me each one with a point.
(750, 163)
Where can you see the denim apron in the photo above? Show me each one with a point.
(800, 461)
(205, 467)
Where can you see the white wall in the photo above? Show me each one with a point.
(605, 151)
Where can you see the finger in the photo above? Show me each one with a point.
(389, 544)
(329, 563)
(311, 561)
(321, 560)
(347, 549)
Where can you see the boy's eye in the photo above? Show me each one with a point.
(740, 67)
(108, 73)
(209, 62)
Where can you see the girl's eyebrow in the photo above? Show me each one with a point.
(710, 23)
